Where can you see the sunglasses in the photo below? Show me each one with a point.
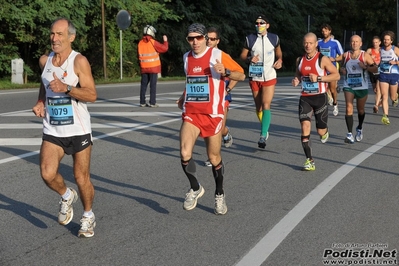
(198, 38)
(260, 23)
(213, 39)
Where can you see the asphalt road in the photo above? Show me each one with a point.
(346, 210)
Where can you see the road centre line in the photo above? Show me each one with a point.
(261, 251)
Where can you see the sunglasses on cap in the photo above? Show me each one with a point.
(212, 39)
(198, 38)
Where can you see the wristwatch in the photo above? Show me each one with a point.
(69, 88)
(227, 72)
(228, 90)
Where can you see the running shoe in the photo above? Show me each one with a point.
(190, 202)
(207, 163)
(324, 138)
(154, 105)
(87, 225)
(359, 134)
(396, 102)
(220, 205)
(385, 120)
(262, 141)
(65, 214)
(330, 99)
(228, 140)
(335, 110)
(309, 165)
(349, 138)
(144, 105)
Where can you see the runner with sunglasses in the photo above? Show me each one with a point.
(263, 54)
(213, 41)
(203, 110)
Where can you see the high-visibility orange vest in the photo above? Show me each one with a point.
(148, 56)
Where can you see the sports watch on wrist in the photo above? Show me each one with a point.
(69, 88)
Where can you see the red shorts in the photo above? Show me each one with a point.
(207, 125)
(226, 104)
(257, 85)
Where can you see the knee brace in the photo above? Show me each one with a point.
(218, 170)
(189, 167)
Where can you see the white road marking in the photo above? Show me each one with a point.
(20, 141)
(261, 251)
(102, 114)
(25, 155)
(93, 125)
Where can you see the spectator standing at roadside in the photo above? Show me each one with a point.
(150, 63)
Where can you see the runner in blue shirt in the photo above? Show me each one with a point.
(332, 48)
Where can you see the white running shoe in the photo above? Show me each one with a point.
(335, 110)
(190, 202)
(359, 134)
(349, 138)
(220, 205)
(87, 225)
(65, 214)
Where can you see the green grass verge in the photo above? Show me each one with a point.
(7, 85)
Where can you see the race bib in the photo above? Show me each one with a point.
(60, 110)
(354, 80)
(325, 51)
(309, 86)
(385, 67)
(256, 70)
(197, 89)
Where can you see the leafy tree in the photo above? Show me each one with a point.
(142, 13)
(24, 27)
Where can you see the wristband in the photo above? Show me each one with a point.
(40, 101)
(228, 90)
(318, 79)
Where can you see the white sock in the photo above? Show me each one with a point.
(88, 214)
(67, 194)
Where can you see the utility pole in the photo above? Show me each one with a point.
(104, 44)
